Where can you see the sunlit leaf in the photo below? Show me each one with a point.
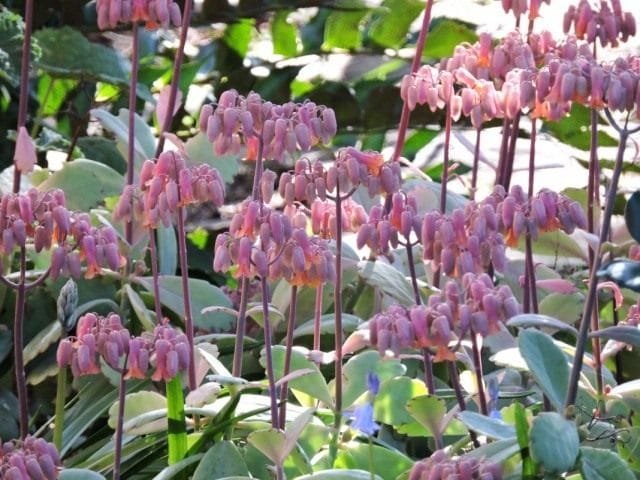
(599, 464)
(222, 460)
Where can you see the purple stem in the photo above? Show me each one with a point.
(593, 204)
(18, 346)
(590, 302)
(445, 163)
(188, 319)
(338, 308)
(504, 146)
(268, 355)
(477, 365)
(291, 324)
(415, 64)
(175, 78)
(131, 159)
(317, 316)
(476, 161)
(153, 251)
(511, 153)
(530, 294)
(23, 99)
(241, 323)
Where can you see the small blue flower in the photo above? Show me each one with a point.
(362, 420)
(373, 383)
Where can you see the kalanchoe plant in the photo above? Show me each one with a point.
(29, 459)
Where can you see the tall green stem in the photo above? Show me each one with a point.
(58, 423)
(186, 295)
(291, 325)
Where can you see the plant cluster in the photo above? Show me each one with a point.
(465, 354)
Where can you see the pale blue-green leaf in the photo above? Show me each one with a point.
(85, 183)
(491, 427)
(526, 320)
(351, 474)
(547, 363)
(203, 294)
(392, 282)
(199, 150)
(599, 464)
(623, 333)
(554, 442)
(174, 471)
(327, 324)
(221, 460)
(137, 404)
(167, 250)
(270, 442)
(79, 474)
(145, 316)
(42, 341)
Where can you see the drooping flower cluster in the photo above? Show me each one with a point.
(476, 305)
(42, 220)
(520, 7)
(29, 459)
(167, 185)
(154, 13)
(465, 241)
(547, 211)
(440, 467)
(282, 129)
(382, 231)
(608, 24)
(105, 337)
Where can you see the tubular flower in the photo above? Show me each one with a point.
(608, 24)
(31, 458)
(276, 130)
(465, 241)
(547, 211)
(323, 217)
(153, 13)
(167, 185)
(440, 467)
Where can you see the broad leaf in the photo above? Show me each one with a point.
(203, 295)
(222, 460)
(385, 462)
(137, 404)
(79, 474)
(491, 427)
(11, 40)
(391, 22)
(85, 61)
(312, 384)
(341, 475)
(270, 442)
(547, 364)
(85, 183)
(342, 29)
(444, 35)
(623, 333)
(429, 410)
(199, 150)
(394, 392)
(554, 442)
(356, 369)
(392, 282)
(167, 250)
(283, 34)
(599, 464)
(525, 320)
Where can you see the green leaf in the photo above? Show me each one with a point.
(270, 442)
(11, 40)
(203, 295)
(356, 369)
(392, 282)
(547, 364)
(567, 308)
(496, 452)
(177, 432)
(327, 325)
(599, 464)
(629, 447)
(571, 129)
(385, 462)
(52, 92)
(444, 35)
(526, 320)
(137, 404)
(43, 339)
(394, 392)
(167, 250)
(283, 34)
(522, 434)
(429, 410)
(145, 316)
(85, 183)
(343, 30)
(103, 150)
(79, 474)
(238, 35)
(391, 22)
(222, 460)
(313, 384)
(491, 427)
(632, 215)
(173, 471)
(199, 150)
(341, 475)
(554, 442)
(625, 334)
(556, 244)
(68, 53)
